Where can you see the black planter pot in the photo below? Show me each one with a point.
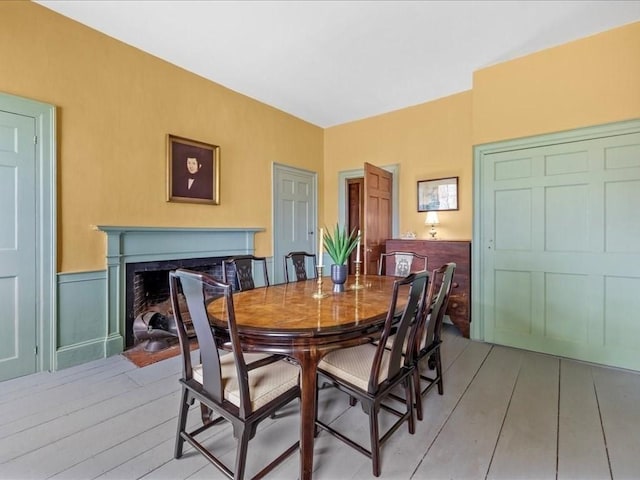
(338, 277)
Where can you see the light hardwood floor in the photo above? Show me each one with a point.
(505, 414)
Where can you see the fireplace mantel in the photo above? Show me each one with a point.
(126, 244)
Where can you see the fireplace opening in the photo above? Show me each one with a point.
(148, 305)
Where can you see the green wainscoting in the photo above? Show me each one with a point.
(82, 318)
(91, 305)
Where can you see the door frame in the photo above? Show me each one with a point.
(344, 175)
(278, 254)
(479, 236)
(46, 194)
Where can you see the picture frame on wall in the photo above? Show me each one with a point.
(438, 194)
(193, 171)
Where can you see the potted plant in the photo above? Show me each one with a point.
(339, 246)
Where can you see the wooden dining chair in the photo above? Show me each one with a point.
(240, 269)
(241, 388)
(369, 372)
(429, 337)
(402, 263)
(299, 262)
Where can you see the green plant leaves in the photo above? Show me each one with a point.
(340, 245)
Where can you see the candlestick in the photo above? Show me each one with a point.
(357, 285)
(358, 248)
(318, 293)
(320, 248)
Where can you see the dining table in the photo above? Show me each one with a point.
(288, 319)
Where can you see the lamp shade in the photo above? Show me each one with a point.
(432, 218)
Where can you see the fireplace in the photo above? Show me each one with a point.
(132, 251)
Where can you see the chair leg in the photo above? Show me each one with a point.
(241, 454)
(182, 422)
(374, 435)
(408, 392)
(417, 392)
(205, 413)
(439, 372)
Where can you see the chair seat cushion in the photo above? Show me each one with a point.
(353, 365)
(265, 383)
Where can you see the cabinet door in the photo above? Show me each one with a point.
(439, 252)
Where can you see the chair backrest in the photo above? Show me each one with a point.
(404, 324)
(436, 305)
(242, 265)
(198, 290)
(299, 261)
(402, 261)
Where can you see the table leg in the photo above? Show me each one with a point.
(308, 385)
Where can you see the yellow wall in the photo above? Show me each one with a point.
(115, 106)
(431, 140)
(591, 81)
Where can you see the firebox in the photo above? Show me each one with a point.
(147, 286)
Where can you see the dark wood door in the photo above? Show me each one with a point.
(355, 208)
(377, 214)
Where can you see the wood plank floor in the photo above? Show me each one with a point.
(505, 414)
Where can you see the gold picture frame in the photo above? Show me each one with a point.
(193, 171)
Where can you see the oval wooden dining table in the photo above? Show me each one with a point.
(286, 319)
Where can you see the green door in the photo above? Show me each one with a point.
(560, 249)
(294, 215)
(18, 298)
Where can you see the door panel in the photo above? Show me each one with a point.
(560, 253)
(377, 207)
(294, 216)
(17, 246)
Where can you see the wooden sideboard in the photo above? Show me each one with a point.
(438, 253)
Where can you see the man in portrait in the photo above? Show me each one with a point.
(192, 172)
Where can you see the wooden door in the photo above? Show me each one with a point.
(560, 266)
(17, 245)
(377, 214)
(355, 208)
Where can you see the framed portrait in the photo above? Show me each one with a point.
(193, 171)
(438, 194)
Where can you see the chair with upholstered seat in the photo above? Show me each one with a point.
(239, 387)
(242, 267)
(299, 262)
(429, 334)
(369, 373)
(402, 263)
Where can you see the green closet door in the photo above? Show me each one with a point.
(18, 300)
(560, 249)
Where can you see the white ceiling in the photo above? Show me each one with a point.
(331, 62)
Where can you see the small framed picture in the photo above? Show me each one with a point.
(193, 171)
(438, 194)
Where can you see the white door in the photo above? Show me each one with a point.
(294, 215)
(560, 249)
(18, 300)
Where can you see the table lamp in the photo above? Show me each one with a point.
(432, 219)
